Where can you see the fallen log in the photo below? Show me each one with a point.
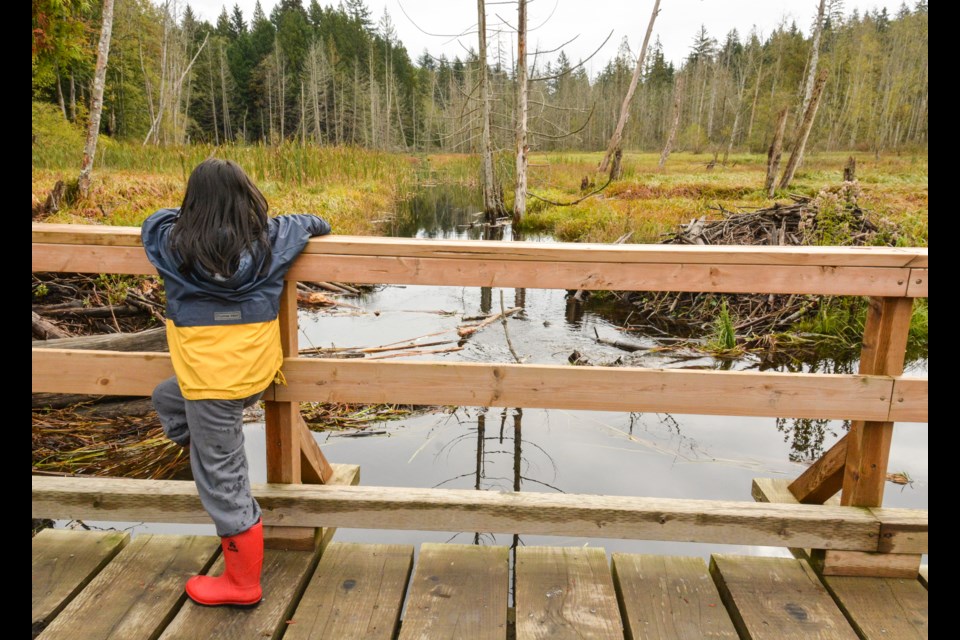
(45, 329)
(469, 330)
(148, 340)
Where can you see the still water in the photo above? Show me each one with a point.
(579, 452)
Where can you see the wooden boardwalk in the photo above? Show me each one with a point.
(101, 585)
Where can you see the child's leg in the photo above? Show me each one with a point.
(219, 463)
(169, 404)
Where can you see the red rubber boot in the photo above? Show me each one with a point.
(240, 582)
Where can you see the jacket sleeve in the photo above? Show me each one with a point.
(290, 233)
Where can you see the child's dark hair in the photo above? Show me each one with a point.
(222, 216)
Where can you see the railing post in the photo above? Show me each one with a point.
(868, 443)
(282, 434)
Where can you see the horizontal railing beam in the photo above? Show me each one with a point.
(738, 393)
(706, 521)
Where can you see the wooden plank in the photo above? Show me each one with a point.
(669, 597)
(902, 530)
(90, 259)
(292, 538)
(823, 479)
(910, 400)
(565, 592)
(868, 442)
(138, 593)
(283, 441)
(778, 490)
(838, 562)
(727, 278)
(356, 592)
(314, 467)
(882, 607)
(917, 287)
(594, 388)
(744, 393)
(725, 522)
(64, 562)
(525, 251)
(923, 575)
(458, 591)
(285, 575)
(777, 598)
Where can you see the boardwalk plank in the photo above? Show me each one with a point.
(671, 597)
(138, 592)
(356, 592)
(64, 562)
(882, 607)
(458, 591)
(777, 599)
(565, 593)
(284, 577)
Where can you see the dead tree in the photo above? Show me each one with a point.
(804, 131)
(677, 100)
(96, 100)
(520, 192)
(617, 136)
(774, 153)
(492, 200)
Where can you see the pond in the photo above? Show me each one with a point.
(579, 452)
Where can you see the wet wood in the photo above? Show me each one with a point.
(64, 562)
(868, 442)
(880, 608)
(777, 599)
(724, 522)
(67, 234)
(458, 591)
(669, 598)
(564, 593)
(138, 593)
(356, 592)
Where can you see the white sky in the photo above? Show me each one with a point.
(589, 20)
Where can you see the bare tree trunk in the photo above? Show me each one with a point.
(677, 100)
(492, 205)
(227, 129)
(303, 116)
(96, 102)
(213, 100)
(520, 193)
(63, 106)
(814, 58)
(773, 155)
(756, 94)
(804, 132)
(73, 99)
(617, 136)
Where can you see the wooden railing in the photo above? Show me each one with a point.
(875, 398)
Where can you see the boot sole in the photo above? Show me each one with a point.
(238, 605)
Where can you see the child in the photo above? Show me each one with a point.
(222, 260)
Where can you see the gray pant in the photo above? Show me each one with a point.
(213, 429)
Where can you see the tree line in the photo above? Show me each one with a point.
(336, 75)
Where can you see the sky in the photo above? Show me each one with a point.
(560, 20)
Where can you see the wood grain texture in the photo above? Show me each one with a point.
(778, 490)
(63, 562)
(138, 593)
(565, 592)
(744, 393)
(880, 608)
(595, 388)
(284, 577)
(823, 479)
(356, 592)
(458, 591)
(293, 538)
(902, 530)
(868, 442)
(527, 251)
(669, 598)
(917, 287)
(839, 562)
(910, 400)
(595, 516)
(777, 599)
